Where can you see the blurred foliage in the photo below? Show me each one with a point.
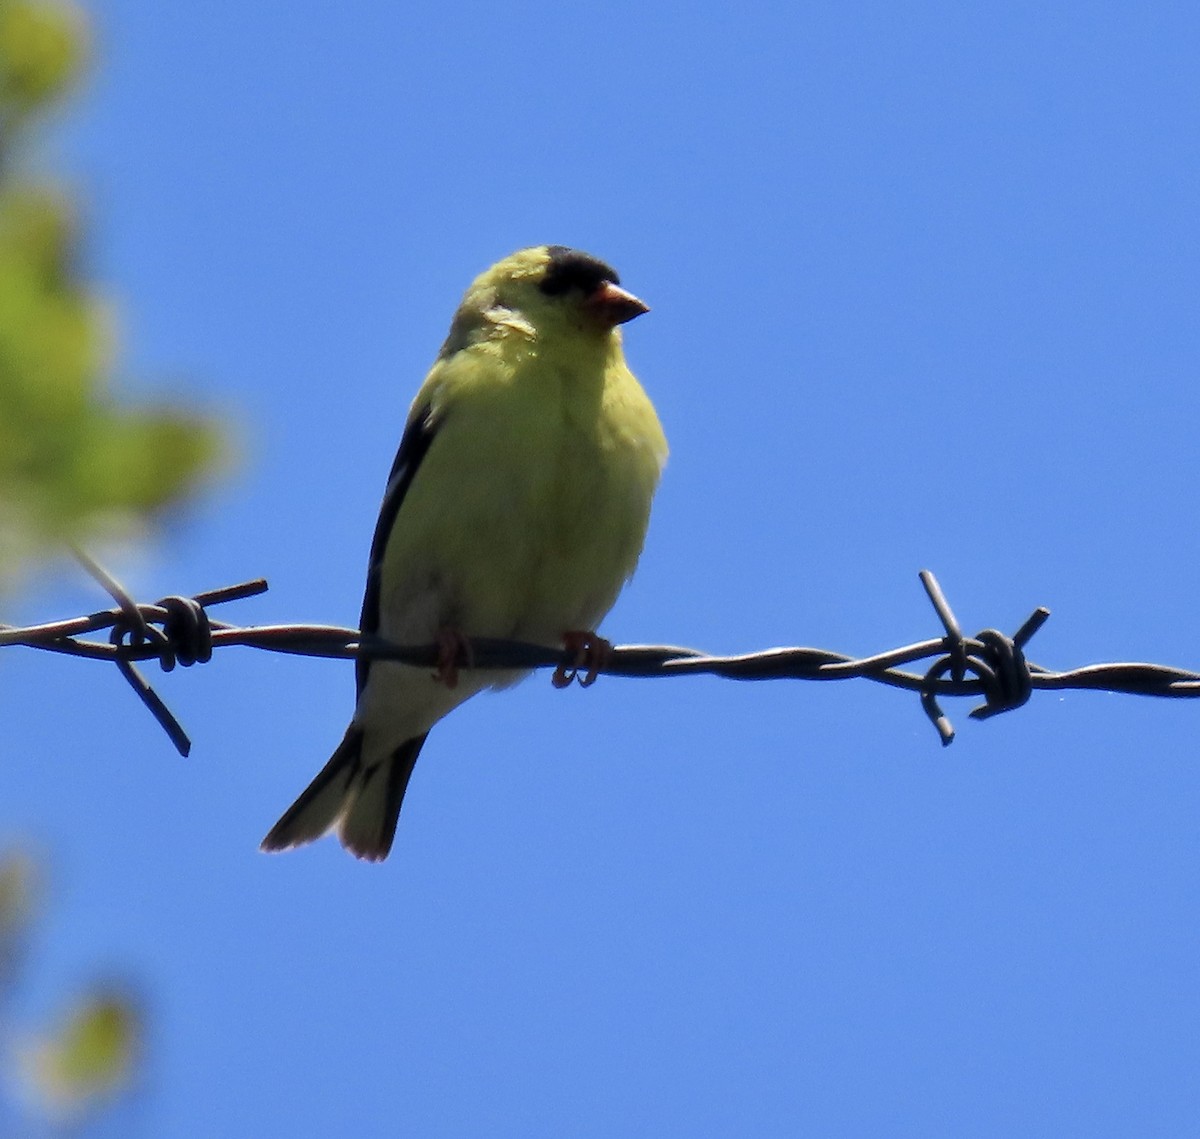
(88, 1061)
(74, 464)
(19, 890)
(67, 1075)
(42, 50)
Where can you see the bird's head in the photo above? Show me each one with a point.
(543, 290)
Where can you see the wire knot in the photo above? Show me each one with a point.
(175, 631)
(186, 633)
(994, 659)
(999, 663)
(176, 628)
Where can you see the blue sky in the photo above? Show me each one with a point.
(924, 283)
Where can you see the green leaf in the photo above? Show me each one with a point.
(89, 1060)
(42, 50)
(76, 462)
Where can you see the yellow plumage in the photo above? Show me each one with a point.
(517, 508)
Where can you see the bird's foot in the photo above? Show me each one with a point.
(453, 646)
(592, 653)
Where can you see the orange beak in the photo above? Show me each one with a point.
(613, 305)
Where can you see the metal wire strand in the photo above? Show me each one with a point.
(179, 630)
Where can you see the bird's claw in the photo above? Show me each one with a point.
(453, 646)
(592, 653)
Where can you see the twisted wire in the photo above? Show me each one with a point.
(180, 631)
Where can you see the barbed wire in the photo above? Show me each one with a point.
(179, 631)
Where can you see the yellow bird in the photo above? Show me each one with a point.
(517, 507)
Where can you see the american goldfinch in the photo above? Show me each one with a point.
(516, 508)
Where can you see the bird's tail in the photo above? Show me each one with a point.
(362, 802)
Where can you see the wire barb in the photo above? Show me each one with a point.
(995, 660)
(177, 629)
(991, 665)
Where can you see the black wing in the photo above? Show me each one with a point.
(413, 447)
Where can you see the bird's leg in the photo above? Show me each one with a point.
(592, 652)
(452, 645)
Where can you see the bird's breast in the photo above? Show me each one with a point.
(527, 516)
